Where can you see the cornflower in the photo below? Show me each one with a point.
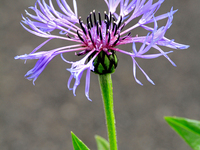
(97, 39)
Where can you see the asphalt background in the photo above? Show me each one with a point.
(41, 117)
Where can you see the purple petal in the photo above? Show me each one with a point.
(87, 84)
(44, 59)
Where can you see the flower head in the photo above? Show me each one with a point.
(98, 36)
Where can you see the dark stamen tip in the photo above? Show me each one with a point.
(113, 18)
(94, 15)
(100, 34)
(109, 38)
(88, 22)
(116, 30)
(83, 28)
(122, 26)
(126, 36)
(68, 36)
(110, 17)
(90, 16)
(80, 36)
(89, 31)
(107, 31)
(114, 25)
(99, 18)
(120, 21)
(80, 53)
(97, 27)
(116, 40)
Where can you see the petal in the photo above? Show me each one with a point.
(134, 72)
(75, 7)
(112, 5)
(147, 77)
(69, 82)
(39, 66)
(152, 56)
(134, 48)
(87, 84)
(77, 70)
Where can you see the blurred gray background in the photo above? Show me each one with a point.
(41, 117)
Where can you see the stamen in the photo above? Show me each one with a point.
(91, 19)
(106, 16)
(81, 24)
(113, 18)
(120, 21)
(126, 36)
(82, 52)
(114, 26)
(129, 34)
(91, 38)
(99, 18)
(107, 24)
(107, 31)
(107, 19)
(97, 26)
(108, 38)
(122, 26)
(110, 17)
(100, 33)
(116, 29)
(116, 40)
(94, 15)
(68, 36)
(80, 37)
(88, 22)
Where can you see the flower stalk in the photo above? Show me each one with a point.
(105, 82)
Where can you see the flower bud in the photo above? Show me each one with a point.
(104, 63)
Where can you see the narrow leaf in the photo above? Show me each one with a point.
(188, 129)
(77, 143)
(102, 144)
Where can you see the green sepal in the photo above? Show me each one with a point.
(104, 63)
(102, 144)
(77, 143)
(188, 129)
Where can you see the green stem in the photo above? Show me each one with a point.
(107, 95)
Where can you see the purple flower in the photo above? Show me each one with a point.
(100, 34)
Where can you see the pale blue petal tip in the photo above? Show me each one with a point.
(89, 98)
(150, 81)
(186, 46)
(138, 82)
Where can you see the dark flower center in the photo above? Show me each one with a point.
(101, 36)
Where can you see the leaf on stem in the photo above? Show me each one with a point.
(77, 143)
(188, 129)
(102, 144)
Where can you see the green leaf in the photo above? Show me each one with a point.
(77, 143)
(188, 129)
(102, 144)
